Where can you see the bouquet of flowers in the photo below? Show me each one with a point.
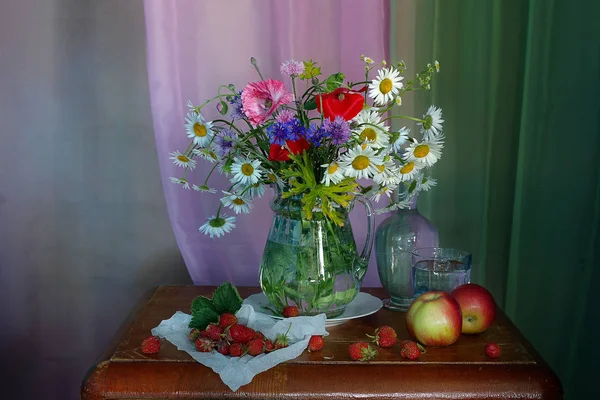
(324, 144)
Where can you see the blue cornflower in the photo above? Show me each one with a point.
(296, 129)
(235, 111)
(315, 135)
(338, 130)
(224, 142)
(278, 133)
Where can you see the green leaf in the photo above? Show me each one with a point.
(227, 299)
(200, 303)
(202, 317)
(310, 70)
(334, 81)
(310, 104)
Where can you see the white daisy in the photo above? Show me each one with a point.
(425, 183)
(427, 152)
(382, 190)
(387, 173)
(245, 171)
(370, 129)
(368, 60)
(401, 139)
(409, 171)
(237, 203)
(333, 173)
(182, 161)
(203, 189)
(274, 179)
(218, 226)
(252, 191)
(360, 162)
(386, 86)
(437, 66)
(432, 123)
(198, 129)
(180, 181)
(398, 100)
(206, 154)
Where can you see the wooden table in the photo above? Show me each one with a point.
(460, 371)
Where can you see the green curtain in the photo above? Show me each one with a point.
(519, 182)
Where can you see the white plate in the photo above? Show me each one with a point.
(363, 304)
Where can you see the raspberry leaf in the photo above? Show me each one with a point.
(226, 299)
(202, 302)
(202, 317)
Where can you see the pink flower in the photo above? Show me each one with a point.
(260, 99)
(292, 67)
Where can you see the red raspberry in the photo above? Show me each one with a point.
(204, 345)
(492, 350)
(256, 347)
(290, 312)
(227, 319)
(316, 343)
(151, 345)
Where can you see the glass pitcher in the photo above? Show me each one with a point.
(313, 264)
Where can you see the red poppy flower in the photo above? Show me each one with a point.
(341, 102)
(279, 153)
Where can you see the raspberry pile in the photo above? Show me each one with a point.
(231, 338)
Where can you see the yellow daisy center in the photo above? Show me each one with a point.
(408, 167)
(385, 86)
(200, 129)
(212, 155)
(272, 177)
(421, 150)
(247, 169)
(361, 162)
(332, 168)
(183, 158)
(238, 201)
(381, 168)
(368, 134)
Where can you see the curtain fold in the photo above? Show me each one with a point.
(519, 183)
(195, 46)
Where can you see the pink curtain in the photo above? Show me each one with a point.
(196, 45)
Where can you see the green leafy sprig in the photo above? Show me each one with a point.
(225, 299)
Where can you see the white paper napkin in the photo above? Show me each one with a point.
(239, 371)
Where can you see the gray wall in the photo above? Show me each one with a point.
(83, 224)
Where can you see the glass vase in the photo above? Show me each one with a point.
(313, 264)
(396, 237)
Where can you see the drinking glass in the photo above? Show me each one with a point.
(442, 269)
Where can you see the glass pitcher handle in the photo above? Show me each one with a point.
(366, 252)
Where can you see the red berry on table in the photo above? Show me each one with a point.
(492, 350)
(256, 347)
(237, 350)
(361, 351)
(385, 336)
(151, 345)
(214, 332)
(227, 319)
(240, 333)
(204, 345)
(290, 312)
(409, 350)
(316, 343)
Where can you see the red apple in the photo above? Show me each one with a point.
(434, 319)
(477, 305)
